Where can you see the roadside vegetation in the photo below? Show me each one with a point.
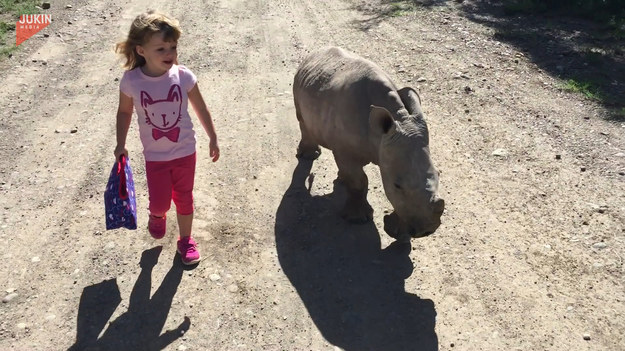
(10, 11)
(594, 66)
(581, 42)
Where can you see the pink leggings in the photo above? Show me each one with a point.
(169, 180)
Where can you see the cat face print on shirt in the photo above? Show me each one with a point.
(163, 115)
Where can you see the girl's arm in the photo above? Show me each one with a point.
(124, 116)
(197, 101)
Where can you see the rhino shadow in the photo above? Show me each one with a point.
(140, 327)
(352, 289)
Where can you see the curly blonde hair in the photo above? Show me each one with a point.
(141, 30)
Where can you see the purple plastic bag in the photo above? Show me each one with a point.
(119, 197)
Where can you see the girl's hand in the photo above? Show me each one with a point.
(214, 150)
(119, 151)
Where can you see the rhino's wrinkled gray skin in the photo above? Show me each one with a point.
(349, 105)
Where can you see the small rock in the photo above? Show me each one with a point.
(214, 277)
(35, 259)
(21, 325)
(9, 297)
(74, 130)
(233, 288)
(500, 152)
(586, 336)
(68, 6)
(182, 348)
(45, 5)
(468, 89)
(600, 245)
(421, 79)
(558, 157)
(583, 169)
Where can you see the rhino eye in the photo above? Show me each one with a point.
(397, 186)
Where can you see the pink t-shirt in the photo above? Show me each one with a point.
(161, 103)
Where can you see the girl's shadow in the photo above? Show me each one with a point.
(353, 290)
(140, 327)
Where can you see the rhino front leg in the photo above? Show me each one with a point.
(351, 174)
(307, 148)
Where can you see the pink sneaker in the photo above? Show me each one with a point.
(187, 248)
(157, 226)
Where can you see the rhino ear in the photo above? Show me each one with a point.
(380, 120)
(411, 100)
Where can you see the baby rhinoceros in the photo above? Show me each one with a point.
(347, 104)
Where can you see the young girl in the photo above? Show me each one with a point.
(159, 90)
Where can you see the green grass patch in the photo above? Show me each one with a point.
(10, 11)
(5, 47)
(15, 8)
(588, 89)
(401, 8)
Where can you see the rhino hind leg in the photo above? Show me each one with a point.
(353, 177)
(307, 148)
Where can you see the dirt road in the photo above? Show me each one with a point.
(529, 256)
